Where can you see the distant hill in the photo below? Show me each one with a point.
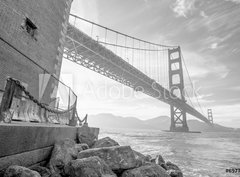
(159, 123)
(112, 121)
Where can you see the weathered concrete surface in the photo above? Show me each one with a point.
(28, 144)
(46, 48)
(91, 166)
(118, 158)
(22, 137)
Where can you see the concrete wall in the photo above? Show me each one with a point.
(45, 48)
(28, 144)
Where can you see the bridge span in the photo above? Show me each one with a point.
(97, 55)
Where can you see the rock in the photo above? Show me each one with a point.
(174, 173)
(159, 160)
(55, 175)
(78, 147)
(43, 171)
(18, 171)
(7, 116)
(173, 170)
(118, 158)
(172, 166)
(142, 159)
(63, 152)
(152, 170)
(148, 158)
(163, 165)
(153, 161)
(88, 135)
(105, 142)
(81, 147)
(84, 146)
(89, 167)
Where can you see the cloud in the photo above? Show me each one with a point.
(200, 66)
(214, 45)
(234, 1)
(235, 88)
(183, 7)
(82, 8)
(203, 14)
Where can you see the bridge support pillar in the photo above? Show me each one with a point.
(176, 86)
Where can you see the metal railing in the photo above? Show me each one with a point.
(18, 104)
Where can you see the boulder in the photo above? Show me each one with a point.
(105, 142)
(142, 159)
(153, 161)
(55, 175)
(172, 166)
(78, 147)
(63, 152)
(148, 158)
(18, 171)
(163, 165)
(118, 158)
(174, 173)
(81, 147)
(86, 167)
(173, 170)
(151, 170)
(43, 171)
(87, 135)
(159, 160)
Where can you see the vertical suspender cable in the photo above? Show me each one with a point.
(126, 50)
(133, 52)
(92, 31)
(139, 53)
(116, 42)
(145, 58)
(149, 61)
(106, 37)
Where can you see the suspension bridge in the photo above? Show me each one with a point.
(156, 70)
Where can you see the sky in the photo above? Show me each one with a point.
(209, 35)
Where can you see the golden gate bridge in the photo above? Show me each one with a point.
(157, 70)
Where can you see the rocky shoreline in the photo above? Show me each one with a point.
(90, 157)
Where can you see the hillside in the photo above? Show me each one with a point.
(159, 123)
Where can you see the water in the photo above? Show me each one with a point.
(198, 155)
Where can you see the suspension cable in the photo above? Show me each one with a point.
(120, 32)
(192, 84)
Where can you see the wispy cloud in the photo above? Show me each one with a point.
(202, 66)
(235, 1)
(183, 7)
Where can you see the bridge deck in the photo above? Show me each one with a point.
(83, 50)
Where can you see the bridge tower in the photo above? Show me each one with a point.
(176, 86)
(210, 116)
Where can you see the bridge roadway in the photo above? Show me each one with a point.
(87, 52)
